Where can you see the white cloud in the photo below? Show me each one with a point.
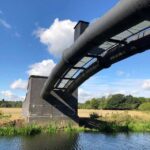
(59, 36)
(146, 84)
(5, 24)
(84, 95)
(42, 68)
(8, 95)
(19, 84)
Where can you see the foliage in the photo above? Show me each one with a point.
(144, 106)
(122, 102)
(12, 104)
(114, 102)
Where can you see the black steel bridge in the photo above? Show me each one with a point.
(122, 32)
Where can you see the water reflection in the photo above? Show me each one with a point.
(81, 141)
(50, 142)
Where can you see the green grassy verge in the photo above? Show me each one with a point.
(109, 127)
(30, 130)
(113, 123)
(123, 123)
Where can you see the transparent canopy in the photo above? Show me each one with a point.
(138, 31)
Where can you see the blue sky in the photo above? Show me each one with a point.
(32, 38)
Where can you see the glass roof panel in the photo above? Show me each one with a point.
(147, 32)
(83, 61)
(80, 64)
(106, 45)
(68, 83)
(90, 62)
(132, 38)
(62, 83)
(71, 73)
(140, 26)
(139, 35)
(77, 73)
(137, 28)
(122, 35)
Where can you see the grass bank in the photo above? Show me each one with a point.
(107, 121)
(33, 129)
(122, 121)
(102, 126)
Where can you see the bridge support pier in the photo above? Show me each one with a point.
(59, 107)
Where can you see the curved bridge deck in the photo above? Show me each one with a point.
(121, 33)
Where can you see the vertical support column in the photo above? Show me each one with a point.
(59, 106)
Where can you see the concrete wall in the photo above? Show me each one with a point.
(58, 107)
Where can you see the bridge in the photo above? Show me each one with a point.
(123, 32)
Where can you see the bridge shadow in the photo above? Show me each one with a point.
(102, 126)
(91, 123)
(64, 107)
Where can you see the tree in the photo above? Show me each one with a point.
(94, 103)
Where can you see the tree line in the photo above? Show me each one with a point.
(117, 102)
(11, 104)
(112, 102)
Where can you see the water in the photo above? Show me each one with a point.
(79, 141)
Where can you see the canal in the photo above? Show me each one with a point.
(78, 141)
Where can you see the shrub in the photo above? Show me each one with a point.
(94, 115)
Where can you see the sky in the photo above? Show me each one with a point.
(33, 35)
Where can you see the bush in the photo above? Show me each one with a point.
(94, 115)
(144, 106)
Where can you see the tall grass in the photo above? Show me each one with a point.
(116, 122)
(51, 128)
(25, 130)
(33, 129)
(123, 122)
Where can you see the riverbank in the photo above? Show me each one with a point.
(120, 121)
(12, 123)
(33, 129)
